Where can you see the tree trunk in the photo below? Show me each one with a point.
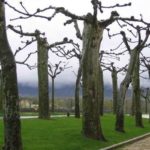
(92, 36)
(115, 89)
(133, 103)
(122, 92)
(146, 106)
(1, 93)
(53, 90)
(43, 79)
(12, 125)
(101, 92)
(77, 92)
(136, 92)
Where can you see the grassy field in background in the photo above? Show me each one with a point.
(65, 133)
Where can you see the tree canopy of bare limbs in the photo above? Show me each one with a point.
(103, 56)
(42, 53)
(53, 72)
(132, 73)
(114, 74)
(92, 38)
(69, 54)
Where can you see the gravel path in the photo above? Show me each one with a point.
(143, 144)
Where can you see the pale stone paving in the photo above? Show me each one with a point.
(143, 144)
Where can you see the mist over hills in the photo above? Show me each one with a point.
(62, 91)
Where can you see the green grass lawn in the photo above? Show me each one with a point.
(65, 133)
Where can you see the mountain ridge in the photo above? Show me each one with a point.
(60, 91)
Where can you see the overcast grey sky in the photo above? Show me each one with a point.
(55, 31)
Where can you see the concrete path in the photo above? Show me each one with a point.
(145, 116)
(138, 143)
(33, 117)
(53, 116)
(143, 144)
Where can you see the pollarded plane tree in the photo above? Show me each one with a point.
(114, 74)
(76, 52)
(134, 52)
(136, 98)
(91, 38)
(12, 124)
(136, 79)
(136, 92)
(145, 62)
(69, 54)
(106, 62)
(104, 55)
(53, 72)
(42, 65)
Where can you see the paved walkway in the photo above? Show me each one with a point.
(143, 144)
(145, 116)
(30, 117)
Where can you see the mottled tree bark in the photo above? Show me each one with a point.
(92, 36)
(101, 92)
(133, 103)
(53, 94)
(122, 91)
(12, 125)
(1, 93)
(115, 89)
(43, 79)
(136, 92)
(77, 92)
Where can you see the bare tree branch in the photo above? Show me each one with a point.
(56, 69)
(125, 41)
(27, 15)
(27, 43)
(26, 59)
(116, 6)
(96, 4)
(68, 54)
